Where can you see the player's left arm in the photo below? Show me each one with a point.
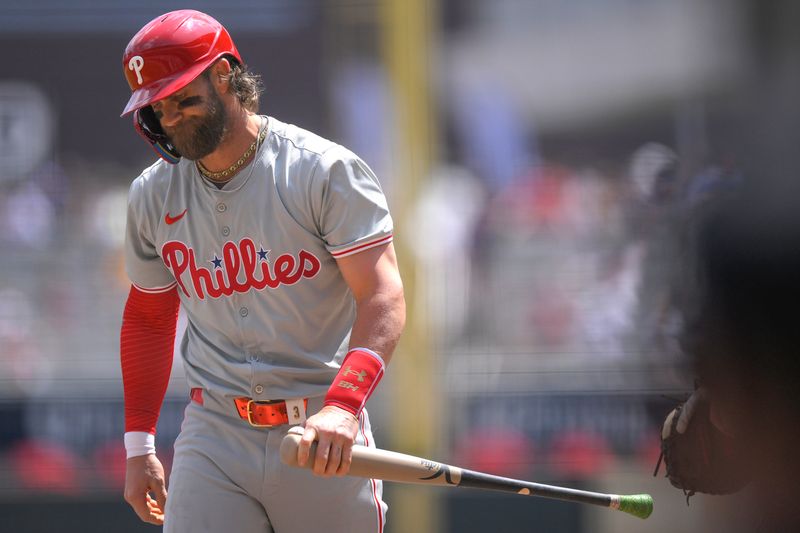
(374, 280)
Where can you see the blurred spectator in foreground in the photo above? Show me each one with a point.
(744, 339)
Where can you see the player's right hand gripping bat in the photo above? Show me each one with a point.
(393, 466)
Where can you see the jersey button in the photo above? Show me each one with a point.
(222, 208)
(258, 389)
(243, 311)
(226, 231)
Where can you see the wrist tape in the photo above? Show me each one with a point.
(360, 373)
(139, 443)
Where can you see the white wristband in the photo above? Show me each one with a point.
(139, 443)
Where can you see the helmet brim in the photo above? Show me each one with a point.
(162, 88)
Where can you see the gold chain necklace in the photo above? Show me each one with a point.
(223, 175)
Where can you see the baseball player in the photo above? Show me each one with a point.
(277, 244)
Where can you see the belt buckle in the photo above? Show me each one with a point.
(250, 415)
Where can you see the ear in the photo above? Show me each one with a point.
(219, 75)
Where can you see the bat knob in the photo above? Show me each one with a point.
(640, 505)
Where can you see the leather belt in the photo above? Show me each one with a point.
(261, 414)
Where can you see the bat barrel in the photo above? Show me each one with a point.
(640, 505)
(479, 480)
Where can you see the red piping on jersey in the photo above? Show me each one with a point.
(362, 247)
(147, 341)
(158, 289)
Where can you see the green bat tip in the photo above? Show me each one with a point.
(640, 505)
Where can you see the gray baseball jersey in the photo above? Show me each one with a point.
(269, 314)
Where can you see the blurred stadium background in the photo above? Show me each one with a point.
(542, 158)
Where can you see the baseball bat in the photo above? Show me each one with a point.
(393, 466)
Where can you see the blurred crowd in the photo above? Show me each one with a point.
(551, 253)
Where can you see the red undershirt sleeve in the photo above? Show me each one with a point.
(147, 341)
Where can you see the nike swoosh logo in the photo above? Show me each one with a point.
(171, 220)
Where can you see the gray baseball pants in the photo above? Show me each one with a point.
(227, 477)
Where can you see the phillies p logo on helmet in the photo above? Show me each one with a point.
(135, 64)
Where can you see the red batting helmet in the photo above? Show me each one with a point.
(164, 57)
(170, 52)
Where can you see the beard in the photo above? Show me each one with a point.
(200, 136)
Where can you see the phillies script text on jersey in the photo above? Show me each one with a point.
(237, 261)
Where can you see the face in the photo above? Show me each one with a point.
(194, 119)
